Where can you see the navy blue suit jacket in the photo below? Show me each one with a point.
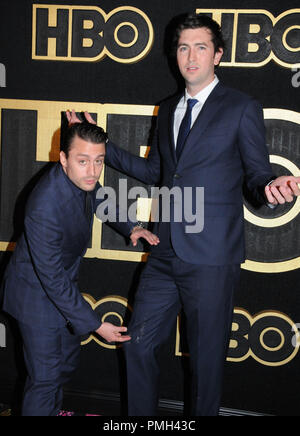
(40, 283)
(225, 147)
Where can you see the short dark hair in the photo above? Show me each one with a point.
(86, 131)
(195, 21)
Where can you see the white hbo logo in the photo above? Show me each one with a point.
(2, 336)
(296, 78)
(2, 76)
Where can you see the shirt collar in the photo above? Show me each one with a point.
(203, 95)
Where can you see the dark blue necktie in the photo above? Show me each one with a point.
(185, 127)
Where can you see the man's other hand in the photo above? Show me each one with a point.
(73, 118)
(139, 232)
(112, 333)
(283, 190)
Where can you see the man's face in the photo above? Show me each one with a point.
(196, 58)
(84, 163)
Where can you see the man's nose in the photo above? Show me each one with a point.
(91, 170)
(192, 55)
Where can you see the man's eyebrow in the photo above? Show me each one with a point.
(187, 44)
(87, 155)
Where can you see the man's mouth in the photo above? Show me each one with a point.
(192, 68)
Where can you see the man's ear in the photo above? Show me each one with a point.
(218, 56)
(63, 159)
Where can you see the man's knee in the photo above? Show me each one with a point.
(137, 348)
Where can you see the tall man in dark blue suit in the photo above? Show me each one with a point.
(40, 288)
(213, 137)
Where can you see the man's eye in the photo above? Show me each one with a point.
(99, 162)
(82, 162)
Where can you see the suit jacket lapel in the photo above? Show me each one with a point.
(74, 208)
(206, 115)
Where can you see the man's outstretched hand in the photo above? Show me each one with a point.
(139, 232)
(283, 190)
(112, 333)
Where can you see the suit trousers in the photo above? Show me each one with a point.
(205, 293)
(51, 356)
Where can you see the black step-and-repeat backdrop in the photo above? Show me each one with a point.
(111, 58)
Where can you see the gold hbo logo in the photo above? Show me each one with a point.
(88, 34)
(255, 37)
(270, 338)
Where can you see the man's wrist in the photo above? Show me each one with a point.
(138, 226)
(98, 328)
(270, 182)
(270, 205)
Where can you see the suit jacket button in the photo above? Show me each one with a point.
(177, 176)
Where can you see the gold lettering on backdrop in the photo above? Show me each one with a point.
(48, 145)
(254, 37)
(88, 34)
(48, 123)
(273, 267)
(47, 149)
(110, 306)
(271, 338)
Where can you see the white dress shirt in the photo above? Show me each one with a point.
(180, 111)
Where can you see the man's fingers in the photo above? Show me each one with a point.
(269, 196)
(134, 240)
(294, 187)
(287, 193)
(283, 190)
(151, 240)
(122, 339)
(121, 329)
(112, 333)
(277, 195)
(72, 117)
(150, 237)
(296, 179)
(89, 118)
(118, 337)
(286, 181)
